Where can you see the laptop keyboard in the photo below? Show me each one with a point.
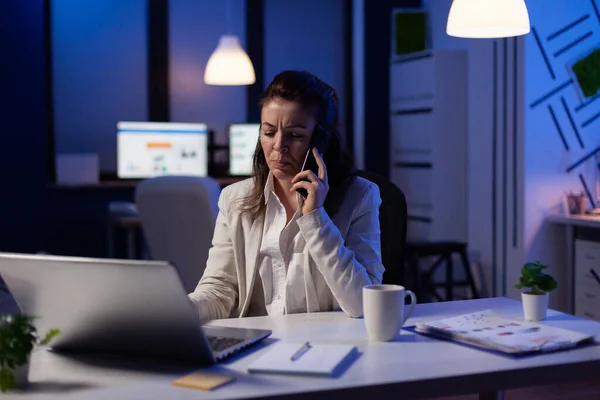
(219, 343)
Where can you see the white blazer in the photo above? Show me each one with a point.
(341, 256)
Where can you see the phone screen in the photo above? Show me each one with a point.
(320, 141)
(310, 162)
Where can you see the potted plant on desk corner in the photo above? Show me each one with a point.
(536, 287)
(18, 338)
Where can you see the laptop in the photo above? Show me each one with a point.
(128, 308)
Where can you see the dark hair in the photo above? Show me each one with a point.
(321, 101)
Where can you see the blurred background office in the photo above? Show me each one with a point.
(483, 136)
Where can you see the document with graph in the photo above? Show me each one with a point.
(486, 329)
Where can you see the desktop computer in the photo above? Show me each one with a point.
(242, 143)
(148, 149)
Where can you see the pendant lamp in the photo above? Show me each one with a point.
(488, 18)
(229, 64)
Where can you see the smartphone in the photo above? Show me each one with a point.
(319, 140)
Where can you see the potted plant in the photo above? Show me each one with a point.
(18, 338)
(536, 286)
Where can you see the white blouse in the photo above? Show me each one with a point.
(281, 257)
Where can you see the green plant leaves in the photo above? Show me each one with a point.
(533, 277)
(532, 269)
(7, 379)
(586, 71)
(18, 337)
(49, 336)
(547, 283)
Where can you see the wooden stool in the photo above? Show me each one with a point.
(444, 252)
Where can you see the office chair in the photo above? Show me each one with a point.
(178, 215)
(392, 222)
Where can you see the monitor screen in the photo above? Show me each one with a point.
(148, 149)
(242, 143)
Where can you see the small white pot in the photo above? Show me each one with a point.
(22, 376)
(535, 306)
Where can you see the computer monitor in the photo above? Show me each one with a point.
(242, 143)
(148, 149)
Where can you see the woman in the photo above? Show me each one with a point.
(276, 252)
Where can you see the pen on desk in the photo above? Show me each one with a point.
(595, 275)
(305, 347)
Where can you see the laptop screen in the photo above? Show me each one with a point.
(242, 143)
(148, 149)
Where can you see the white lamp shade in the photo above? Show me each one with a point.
(488, 18)
(229, 64)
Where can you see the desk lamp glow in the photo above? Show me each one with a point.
(488, 18)
(229, 64)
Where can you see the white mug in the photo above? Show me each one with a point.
(383, 308)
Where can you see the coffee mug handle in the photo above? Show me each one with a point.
(413, 303)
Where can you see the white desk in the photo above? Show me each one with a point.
(588, 221)
(414, 366)
(570, 222)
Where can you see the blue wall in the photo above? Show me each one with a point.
(559, 129)
(306, 34)
(23, 162)
(36, 216)
(100, 77)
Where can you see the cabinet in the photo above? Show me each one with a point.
(428, 137)
(587, 279)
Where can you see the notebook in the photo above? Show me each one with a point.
(316, 360)
(488, 330)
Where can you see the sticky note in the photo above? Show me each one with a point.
(203, 380)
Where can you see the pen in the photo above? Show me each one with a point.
(305, 347)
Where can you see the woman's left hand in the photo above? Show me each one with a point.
(316, 186)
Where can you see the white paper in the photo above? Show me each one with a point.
(320, 359)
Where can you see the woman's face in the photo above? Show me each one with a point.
(286, 130)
